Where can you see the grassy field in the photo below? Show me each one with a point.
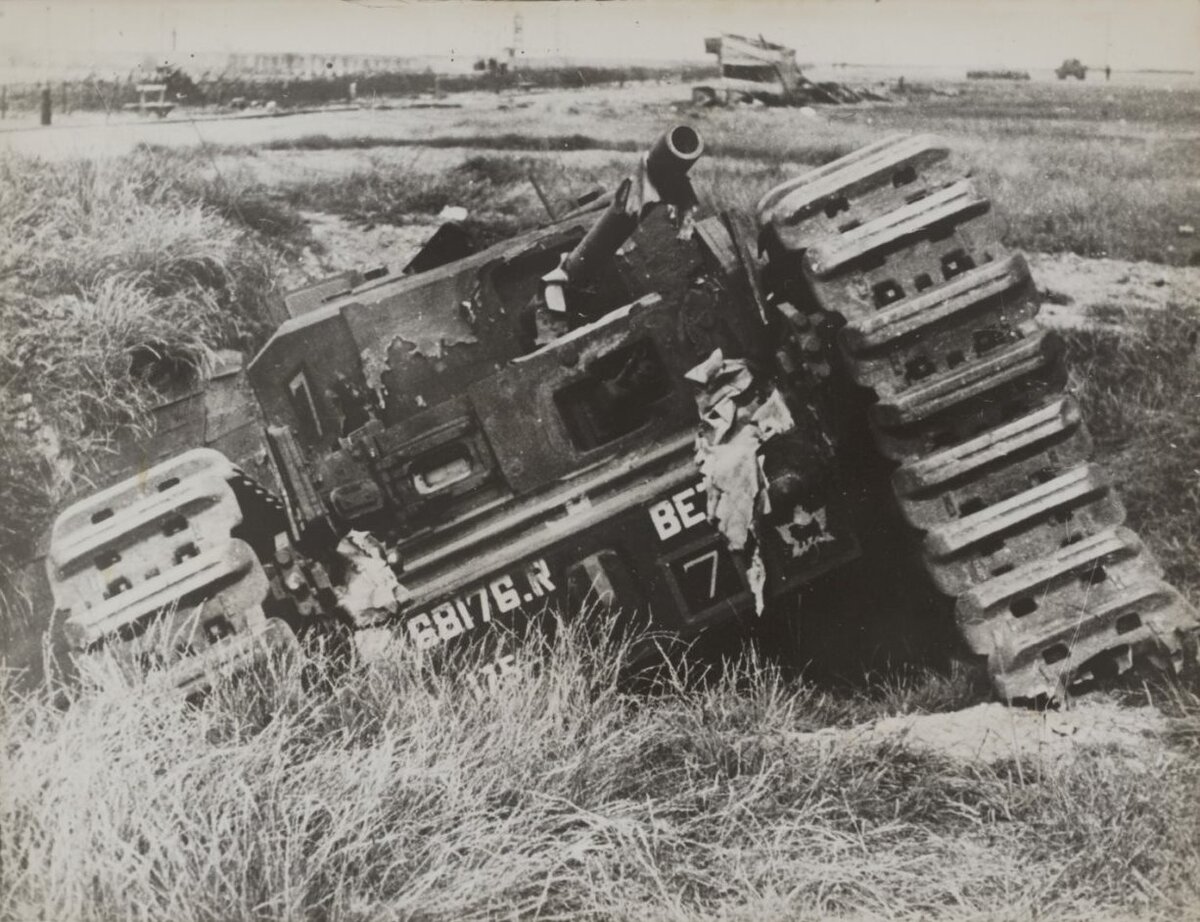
(1140, 386)
(394, 794)
(1095, 171)
(400, 795)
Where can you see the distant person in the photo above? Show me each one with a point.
(1107, 72)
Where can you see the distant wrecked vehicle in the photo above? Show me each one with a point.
(754, 70)
(1071, 67)
(690, 418)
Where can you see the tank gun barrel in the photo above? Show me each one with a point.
(668, 162)
(663, 179)
(603, 238)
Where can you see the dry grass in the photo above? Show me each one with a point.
(116, 282)
(398, 794)
(394, 187)
(1097, 171)
(1138, 376)
(1052, 197)
(494, 189)
(1055, 200)
(77, 355)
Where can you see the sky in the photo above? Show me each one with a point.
(1127, 34)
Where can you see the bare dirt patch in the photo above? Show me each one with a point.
(992, 733)
(1078, 290)
(339, 244)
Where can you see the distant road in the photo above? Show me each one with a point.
(91, 135)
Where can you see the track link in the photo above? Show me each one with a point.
(161, 571)
(899, 247)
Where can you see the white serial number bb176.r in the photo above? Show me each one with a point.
(475, 607)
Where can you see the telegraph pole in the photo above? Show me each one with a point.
(46, 68)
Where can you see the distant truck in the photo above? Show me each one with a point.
(1072, 67)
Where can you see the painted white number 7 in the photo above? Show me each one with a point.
(712, 579)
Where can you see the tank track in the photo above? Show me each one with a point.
(899, 250)
(177, 570)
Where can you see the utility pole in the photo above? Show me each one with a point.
(1108, 43)
(46, 45)
(45, 100)
(518, 41)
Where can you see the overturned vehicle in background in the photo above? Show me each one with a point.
(754, 70)
(700, 420)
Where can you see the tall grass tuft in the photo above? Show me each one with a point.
(397, 792)
(117, 280)
(1138, 376)
(494, 189)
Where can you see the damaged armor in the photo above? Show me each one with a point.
(638, 404)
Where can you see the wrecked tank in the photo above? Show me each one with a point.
(691, 419)
(754, 70)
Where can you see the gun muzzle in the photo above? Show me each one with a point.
(668, 162)
(664, 179)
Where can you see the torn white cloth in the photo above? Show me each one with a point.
(737, 415)
(371, 592)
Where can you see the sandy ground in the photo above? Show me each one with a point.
(1074, 287)
(339, 244)
(994, 733)
(611, 111)
(92, 135)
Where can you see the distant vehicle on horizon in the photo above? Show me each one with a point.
(1071, 67)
